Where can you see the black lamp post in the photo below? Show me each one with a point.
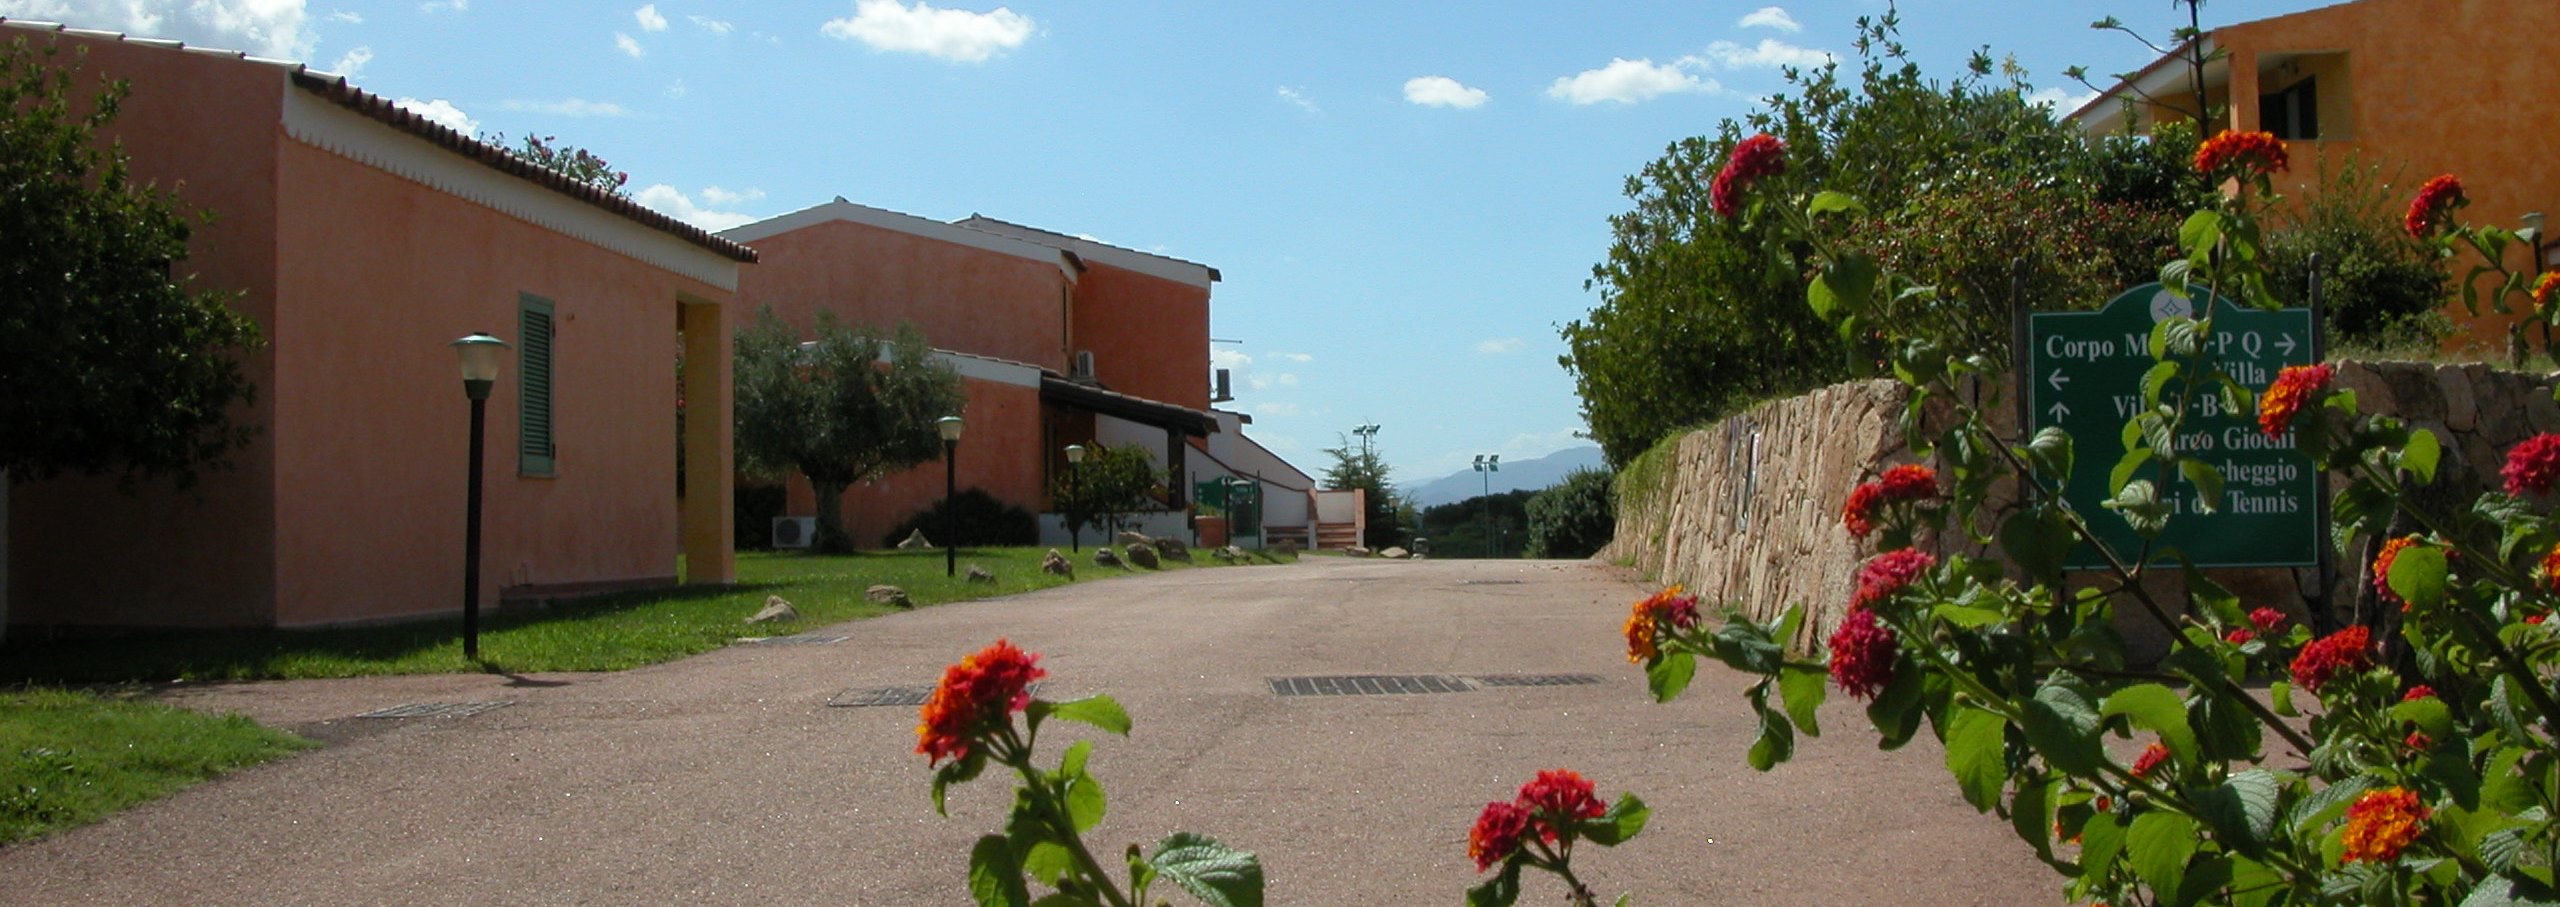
(1075, 529)
(949, 426)
(2533, 225)
(1486, 466)
(481, 356)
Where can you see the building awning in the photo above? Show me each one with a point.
(1135, 409)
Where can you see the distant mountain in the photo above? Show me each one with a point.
(1533, 475)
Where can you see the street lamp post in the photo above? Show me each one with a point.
(481, 356)
(1486, 466)
(949, 426)
(1075, 529)
(2533, 226)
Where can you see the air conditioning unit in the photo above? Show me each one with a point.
(1083, 368)
(1220, 391)
(795, 531)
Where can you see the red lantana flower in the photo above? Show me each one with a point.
(1888, 573)
(2545, 287)
(2421, 691)
(2293, 388)
(2433, 208)
(2551, 569)
(1860, 513)
(2239, 636)
(1862, 654)
(1557, 798)
(2418, 740)
(980, 692)
(1753, 158)
(2382, 823)
(2150, 759)
(1909, 482)
(1497, 834)
(1644, 621)
(2382, 569)
(2532, 465)
(2536, 619)
(2324, 659)
(2267, 619)
(2258, 152)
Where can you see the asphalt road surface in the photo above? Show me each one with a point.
(748, 776)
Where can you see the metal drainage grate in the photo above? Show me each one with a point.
(900, 696)
(1537, 680)
(1367, 685)
(1492, 582)
(435, 710)
(801, 639)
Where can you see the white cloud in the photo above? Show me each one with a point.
(1230, 359)
(675, 89)
(649, 18)
(672, 202)
(445, 6)
(1299, 100)
(1530, 446)
(628, 45)
(712, 25)
(950, 34)
(441, 112)
(1770, 53)
(1241, 367)
(2062, 100)
(1442, 91)
(1499, 345)
(1626, 81)
(347, 18)
(1770, 17)
(571, 107)
(1294, 357)
(353, 63)
(268, 28)
(727, 199)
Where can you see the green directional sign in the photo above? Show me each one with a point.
(2084, 374)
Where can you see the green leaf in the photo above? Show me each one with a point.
(1098, 711)
(1063, 899)
(1624, 820)
(1499, 891)
(1047, 861)
(1220, 876)
(2038, 539)
(1085, 803)
(2419, 456)
(1072, 764)
(2051, 452)
(958, 771)
(1777, 740)
(2062, 726)
(2503, 891)
(2206, 876)
(2325, 804)
(1804, 687)
(995, 877)
(2155, 380)
(2101, 841)
(1977, 754)
(1845, 286)
(2155, 708)
(2141, 507)
(1828, 201)
(2158, 847)
(2206, 479)
(1896, 709)
(2243, 809)
(1668, 674)
(2201, 232)
(2280, 696)
(2418, 576)
(2031, 813)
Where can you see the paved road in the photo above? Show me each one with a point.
(730, 779)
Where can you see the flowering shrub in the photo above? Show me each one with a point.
(1537, 829)
(969, 721)
(2420, 767)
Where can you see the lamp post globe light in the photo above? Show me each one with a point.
(1486, 466)
(481, 357)
(1075, 530)
(949, 426)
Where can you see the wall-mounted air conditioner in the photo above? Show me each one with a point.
(1083, 368)
(795, 531)
(1219, 391)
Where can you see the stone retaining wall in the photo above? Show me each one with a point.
(1747, 511)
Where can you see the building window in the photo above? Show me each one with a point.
(535, 452)
(2293, 113)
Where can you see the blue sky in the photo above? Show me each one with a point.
(1404, 198)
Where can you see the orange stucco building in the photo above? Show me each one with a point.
(2419, 87)
(1059, 339)
(363, 239)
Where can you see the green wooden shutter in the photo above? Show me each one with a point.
(534, 448)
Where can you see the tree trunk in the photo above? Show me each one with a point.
(832, 539)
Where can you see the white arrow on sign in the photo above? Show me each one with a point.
(2057, 379)
(2285, 342)
(2060, 412)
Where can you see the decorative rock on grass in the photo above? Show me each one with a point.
(1174, 550)
(889, 595)
(775, 610)
(1104, 557)
(1131, 539)
(1144, 556)
(978, 574)
(915, 540)
(1395, 553)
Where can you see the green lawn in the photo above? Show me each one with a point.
(600, 633)
(69, 758)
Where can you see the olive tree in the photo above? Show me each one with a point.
(851, 405)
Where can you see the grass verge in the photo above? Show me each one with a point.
(70, 758)
(599, 633)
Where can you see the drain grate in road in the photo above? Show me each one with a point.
(909, 696)
(1492, 582)
(435, 710)
(1537, 680)
(1367, 685)
(799, 639)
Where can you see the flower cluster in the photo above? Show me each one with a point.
(2551, 569)
(1752, 159)
(2532, 465)
(2381, 824)
(1646, 619)
(2421, 691)
(2150, 760)
(2260, 153)
(1553, 801)
(2293, 387)
(2382, 569)
(2433, 208)
(1909, 483)
(2267, 619)
(2545, 287)
(1887, 574)
(983, 690)
(2338, 653)
(1862, 654)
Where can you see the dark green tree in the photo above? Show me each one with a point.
(1574, 518)
(1110, 483)
(1360, 467)
(1481, 526)
(110, 362)
(853, 405)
